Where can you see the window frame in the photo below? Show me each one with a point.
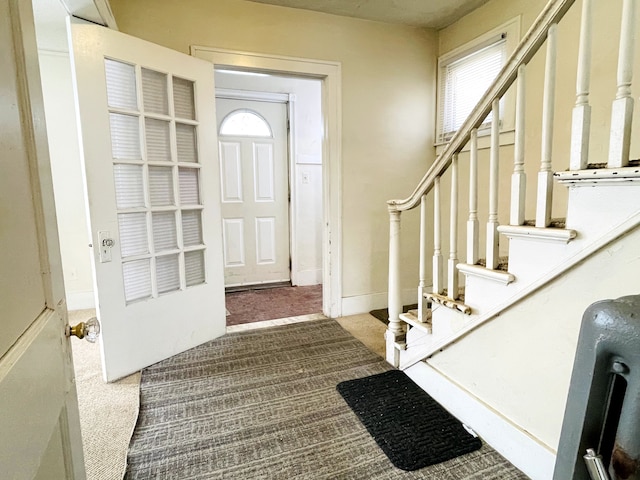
(510, 31)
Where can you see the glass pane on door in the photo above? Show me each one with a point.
(151, 190)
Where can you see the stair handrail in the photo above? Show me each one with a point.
(552, 13)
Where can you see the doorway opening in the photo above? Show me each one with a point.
(271, 172)
(329, 75)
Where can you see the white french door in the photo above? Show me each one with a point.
(150, 159)
(254, 177)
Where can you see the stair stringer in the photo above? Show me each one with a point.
(449, 325)
(591, 211)
(509, 380)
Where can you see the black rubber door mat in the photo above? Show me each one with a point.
(410, 427)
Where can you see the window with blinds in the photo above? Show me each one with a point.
(463, 80)
(156, 174)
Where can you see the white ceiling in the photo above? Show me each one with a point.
(51, 30)
(418, 13)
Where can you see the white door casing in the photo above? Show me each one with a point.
(330, 75)
(153, 191)
(254, 191)
(39, 411)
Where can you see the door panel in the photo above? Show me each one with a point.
(39, 423)
(28, 297)
(255, 191)
(153, 190)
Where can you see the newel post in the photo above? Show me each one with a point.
(395, 331)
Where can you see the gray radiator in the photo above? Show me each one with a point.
(600, 436)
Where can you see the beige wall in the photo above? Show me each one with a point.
(520, 363)
(388, 95)
(66, 170)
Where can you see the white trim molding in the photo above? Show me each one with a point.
(330, 73)
(535, 459)
(234, 94)
(365, 303)
(95, 11)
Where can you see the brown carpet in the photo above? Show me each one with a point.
(271, 303)
(263, 404)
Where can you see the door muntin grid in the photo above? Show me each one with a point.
(156, 172)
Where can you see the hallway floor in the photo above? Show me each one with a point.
(259, 304)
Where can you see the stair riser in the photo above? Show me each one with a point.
(592, 211)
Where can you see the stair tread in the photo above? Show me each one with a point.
(460, 296)
(555, 223)
(503, 264)
(413, 314)
(448, 302)
(599, 166)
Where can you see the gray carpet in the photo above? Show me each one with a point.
(263, 405)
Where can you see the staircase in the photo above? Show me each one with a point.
(513, 262)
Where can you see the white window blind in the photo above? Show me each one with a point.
(167, 273)
(133, 234)
(125, 137)
(464, 80)
(137, 279)
(129, 185)
(158, 144)
(189, 186)
(183, 99)
(191, 227)
(186, 143)
(154, 91)
(194, 267)
(121, 84)
(161, 186)
(165, 236)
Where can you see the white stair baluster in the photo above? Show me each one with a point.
(622, 110)
(519, 178)
(452, 271)
(581, 120)
(545, 175)
(422, 302)
(437, 246)
(492, 223)
(395, 330)
(472, 223)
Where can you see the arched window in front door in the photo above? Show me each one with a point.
(245, 123)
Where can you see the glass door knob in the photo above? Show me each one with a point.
(89, 330)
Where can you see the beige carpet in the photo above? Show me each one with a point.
(108, 411)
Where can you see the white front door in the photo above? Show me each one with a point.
(150, 157)
(255, 191)
(39, 424)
